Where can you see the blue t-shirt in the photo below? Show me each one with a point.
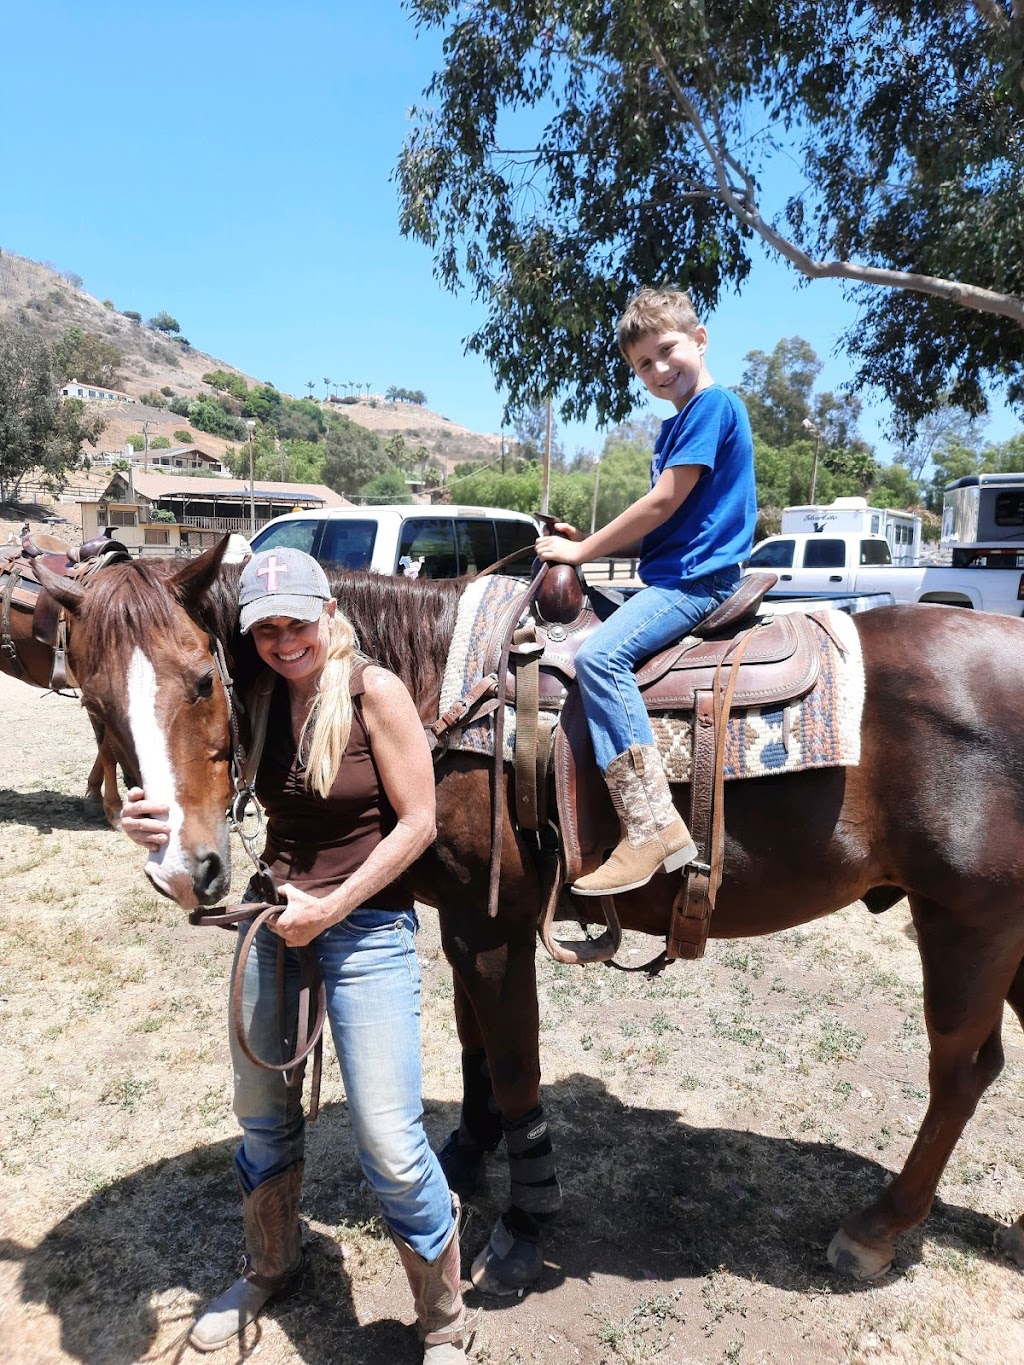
(713, 528)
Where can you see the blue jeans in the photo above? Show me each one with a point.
(649, 621)
(373, 1004)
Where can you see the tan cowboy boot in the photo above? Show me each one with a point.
(445, 1327)
(271, 1267)
(653, 833)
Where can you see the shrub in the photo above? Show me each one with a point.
(131, 313)
(160, 443)
(163, 322)
(167, 391)
(137, 441)
(153, 400)
(184, 438)
(108, 304)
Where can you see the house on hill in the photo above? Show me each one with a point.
(91, 393)
(169, 512)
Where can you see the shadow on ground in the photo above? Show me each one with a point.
(647, 1198)
(48, 810)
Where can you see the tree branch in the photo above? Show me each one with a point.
(743, 204)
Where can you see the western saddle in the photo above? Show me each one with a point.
(20, 588)
(733, 659)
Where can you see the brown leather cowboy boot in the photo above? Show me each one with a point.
(445, 1326)
(271, 1267)
(653, 833)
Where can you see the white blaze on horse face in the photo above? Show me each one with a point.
(168, 868)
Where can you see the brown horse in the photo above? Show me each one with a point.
(935, 810)
(30, 661)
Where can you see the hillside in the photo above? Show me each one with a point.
(38, 297)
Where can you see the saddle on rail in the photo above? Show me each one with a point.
(21, 590)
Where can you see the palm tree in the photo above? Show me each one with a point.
(311, 385)
(327, 389)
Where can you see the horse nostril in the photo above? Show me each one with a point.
(209, 868)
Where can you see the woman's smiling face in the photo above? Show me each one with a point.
(295, 649)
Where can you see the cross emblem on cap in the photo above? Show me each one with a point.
(270, 570)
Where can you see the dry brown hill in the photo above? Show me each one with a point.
(37, 296)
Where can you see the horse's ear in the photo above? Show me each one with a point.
(191, 583)
(69, 594)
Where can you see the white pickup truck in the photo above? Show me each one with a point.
(982, 527)
(809, 563)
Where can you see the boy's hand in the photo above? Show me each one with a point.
(560, 549)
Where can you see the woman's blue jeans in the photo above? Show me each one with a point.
(373, 1003)
(648, 621)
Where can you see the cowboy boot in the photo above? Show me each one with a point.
(653, 833)
(271, 1267)
(445, 1326)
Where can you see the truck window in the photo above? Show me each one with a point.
(516, 535)
(348, 543)
(824, 554)
(431, 539)
(476, 544)
(875, 552)
(290, 535)
(777, 554)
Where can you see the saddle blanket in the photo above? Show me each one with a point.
(822, 730)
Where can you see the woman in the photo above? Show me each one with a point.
(346, 780)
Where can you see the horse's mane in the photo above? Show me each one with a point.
(126, 601)
(404, 624)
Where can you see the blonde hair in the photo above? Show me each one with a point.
(655, 310)
(325, 731)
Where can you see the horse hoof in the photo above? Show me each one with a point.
(848, 1257)
(1010, 1241)
(508, 1264)
(462, 1166)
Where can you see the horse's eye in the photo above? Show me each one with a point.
(204, 685)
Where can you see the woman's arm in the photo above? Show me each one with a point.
(402, 756)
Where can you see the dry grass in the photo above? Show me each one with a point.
(713, 1126)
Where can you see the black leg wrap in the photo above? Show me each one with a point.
(531, 1160)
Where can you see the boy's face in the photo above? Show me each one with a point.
(671, 364)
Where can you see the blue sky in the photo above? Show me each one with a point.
(232, 164)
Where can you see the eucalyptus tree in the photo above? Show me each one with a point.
(571, 150)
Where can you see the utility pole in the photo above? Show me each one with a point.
(545, 486)
(815, 431)
(251, 424)
(145, 447)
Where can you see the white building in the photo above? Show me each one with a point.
(94, 393)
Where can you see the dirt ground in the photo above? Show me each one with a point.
(712, 1126)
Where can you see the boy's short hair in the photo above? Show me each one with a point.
(655, 310)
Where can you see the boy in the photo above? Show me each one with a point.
(695, 526)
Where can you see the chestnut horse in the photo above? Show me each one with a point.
(32, 662)
(935, 810)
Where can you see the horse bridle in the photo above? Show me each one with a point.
(312, 998)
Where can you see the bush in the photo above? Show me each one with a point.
(131, 313)
(108, 304)
(179, 406)
(162, 514)
(167, 391)
(184, 438)
(163, 322)
(153, 400)
(159, 443)
(137, 441)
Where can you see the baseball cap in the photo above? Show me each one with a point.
(283, 582)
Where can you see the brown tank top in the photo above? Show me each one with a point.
(317, 843)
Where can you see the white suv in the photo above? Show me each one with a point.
(428, 542)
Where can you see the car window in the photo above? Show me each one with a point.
(777, 554)
(875, 552)
(824, 554)
(348, 544)
(290, 535)
(515, 535)
(476, 545)
(432, 540)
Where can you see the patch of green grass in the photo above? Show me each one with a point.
(837, 1042)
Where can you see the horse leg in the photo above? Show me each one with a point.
(966, 979)
(494, 965)
(1011, 1240)
(101, 785)
(479, 1130)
